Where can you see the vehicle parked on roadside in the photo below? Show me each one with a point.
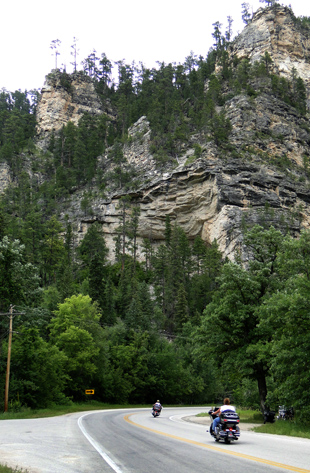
(269, 416)
(285, 413)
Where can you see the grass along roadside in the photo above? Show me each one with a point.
(285, 427)
(6, 469)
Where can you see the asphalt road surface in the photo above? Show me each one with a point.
(127, 441)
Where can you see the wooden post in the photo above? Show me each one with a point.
(8, 366)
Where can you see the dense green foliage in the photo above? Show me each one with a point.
(17, 125)
(262, 317)
(113, 341)
(180, 323)
(131, 346)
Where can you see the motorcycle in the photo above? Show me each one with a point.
(285, 413)
(228, 428)
(156, 412)
(269, 416)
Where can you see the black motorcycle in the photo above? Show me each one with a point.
(269, 416)
(228, 429)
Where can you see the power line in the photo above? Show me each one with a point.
(4, 335)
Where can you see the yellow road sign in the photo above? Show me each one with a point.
(89, 391)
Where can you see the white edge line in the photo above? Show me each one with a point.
(176, 418)
(179, 419)
(97, 447)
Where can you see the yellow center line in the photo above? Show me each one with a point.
(217, 449)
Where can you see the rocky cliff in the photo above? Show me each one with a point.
(264, 176)
(66, 97)
(276, 31)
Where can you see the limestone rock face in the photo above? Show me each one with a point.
(137, 150)
(211, 199)
(275, 30)
(5, 177)
(65, 98)
(268, 127)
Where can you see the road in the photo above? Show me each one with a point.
(127, 441)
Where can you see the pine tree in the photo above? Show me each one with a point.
(147, 250)
(74, 53)
(220, 128)
(53, 250)
(245, 13)
(228, 32)
(199, 252)
(93, 245)
(160, 264)
(96, 277)
(132, 233)
(168, 230)
(217, 35)
(181, 313)
(109, 302)
(55, 45)
(121, 238)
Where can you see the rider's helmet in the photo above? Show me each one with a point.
(158, 400)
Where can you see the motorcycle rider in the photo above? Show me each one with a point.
(157, 406)
(225, 407)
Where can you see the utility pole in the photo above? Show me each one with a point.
(8, 366)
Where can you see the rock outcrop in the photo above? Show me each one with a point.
(66, 98)
(276, 31)
(210, 199)
(5, 177)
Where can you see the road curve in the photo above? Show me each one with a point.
(127, 441)
(169, 444)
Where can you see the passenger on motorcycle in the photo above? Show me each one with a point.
(225, 407)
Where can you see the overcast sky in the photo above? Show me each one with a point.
(133, 30)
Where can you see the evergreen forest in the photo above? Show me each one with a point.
(183, 324)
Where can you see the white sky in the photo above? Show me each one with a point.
(133, 30)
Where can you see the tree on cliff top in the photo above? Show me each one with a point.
(55, 44)
(270, 3)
